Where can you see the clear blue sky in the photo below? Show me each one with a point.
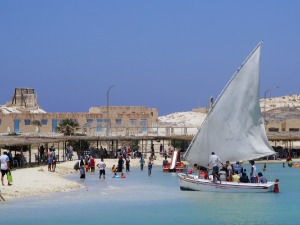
(171, 55)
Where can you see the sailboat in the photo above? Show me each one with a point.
(233, 129)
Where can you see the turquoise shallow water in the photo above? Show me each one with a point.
(140, 199)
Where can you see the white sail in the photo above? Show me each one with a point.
(234, 127)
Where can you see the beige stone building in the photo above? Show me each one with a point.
(285, 119)
(17, 117)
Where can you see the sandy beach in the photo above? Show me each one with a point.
(37, 180)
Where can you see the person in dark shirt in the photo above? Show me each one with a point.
(120, 164)
(165, 162)
(244, 178)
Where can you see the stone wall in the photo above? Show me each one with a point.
(95, 121)
(289, 125)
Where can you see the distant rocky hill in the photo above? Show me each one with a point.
(182, 119)
(281, 108)
(277, 109)
(289, 101)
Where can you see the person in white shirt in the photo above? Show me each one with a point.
(214, 161)
(4, 160)
(253, 172)
(101, 165)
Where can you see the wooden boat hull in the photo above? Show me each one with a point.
(193, 183)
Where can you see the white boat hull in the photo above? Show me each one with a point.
(193, 183)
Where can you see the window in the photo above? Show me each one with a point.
(44, 121)
(294, 129)
(118, 121)
(144, 125)
(143, 122)
(99, 125)
(273, 129)
(283, 129)
(133, 121)
(0, 121)
(89, 121)
(27, 122)
(54, 125)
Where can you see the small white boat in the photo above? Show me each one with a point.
(194, 183)
(233, 129)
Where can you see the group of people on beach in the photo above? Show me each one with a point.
(87, 164)
(125, 157)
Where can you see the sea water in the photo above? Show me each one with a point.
(141, 199)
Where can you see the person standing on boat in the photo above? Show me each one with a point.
(253, 172)
(214, 160)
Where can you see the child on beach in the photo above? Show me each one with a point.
(142, 162)
(116, 176)
(114, 169)
(86, 163)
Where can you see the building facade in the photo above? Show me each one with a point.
(285, 119)
(18, 117)
(120, 119)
